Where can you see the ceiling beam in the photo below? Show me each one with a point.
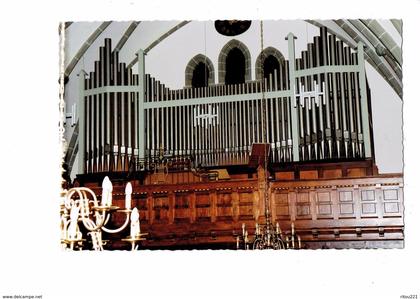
(70, 67)
(126, 35)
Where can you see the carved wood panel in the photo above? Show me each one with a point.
(303, 205)
(182, 208)
(324, 204)
(203, 207)
(224, 207)
(281, 202)
(246, 203)
(369, 202)
(161, 208)
(391, 199)
(346, 203)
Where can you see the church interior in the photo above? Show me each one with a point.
(232, 134)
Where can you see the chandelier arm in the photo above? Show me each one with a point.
(90, 224)
(69, 202)
(113, 231)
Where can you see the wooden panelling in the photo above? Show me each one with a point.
(308, 174)
(324, 204)
(281, 201)
(246, 205)
(356, 172)
(143, 209)
(203, 207)
(303, 206)
(332, 173)
(368, 203)
(182, 208)
(286, 175)
(161, 209)
(224, 207)
(327, 211)
(391, 201)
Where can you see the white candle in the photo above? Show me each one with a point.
(106, 192)
(110, 194)
(135, 224)
(299, 242)
(257, 229)
(277, 227)
(243, 229)
(72, 230)
(237, 242)
(128, 191)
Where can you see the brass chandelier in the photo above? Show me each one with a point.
(80, 208)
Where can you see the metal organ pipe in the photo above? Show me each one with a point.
(339, 45)
(325, 62)
(222, 132)
(338, 132)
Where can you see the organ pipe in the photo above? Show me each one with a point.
(144, 116)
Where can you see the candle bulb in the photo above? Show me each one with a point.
(110, 194)
(74, 215)
(128, 191)
(257, 232)
(106, 192)
(299, 243)
(135, 224)
(237, 242)
(243, 229)
(277, 228)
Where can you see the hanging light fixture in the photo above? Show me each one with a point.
(80, 205)
(267, 235)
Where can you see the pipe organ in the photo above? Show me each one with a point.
(316, 108)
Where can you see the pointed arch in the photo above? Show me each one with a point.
(269, 51)
(232, 44)
(193, 63)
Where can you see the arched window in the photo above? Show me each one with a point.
(270, 64)
(199, 72)
(235, 67)
(234, 63)
(200, 77)
(271, 59)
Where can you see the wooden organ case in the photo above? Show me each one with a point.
(187, 151)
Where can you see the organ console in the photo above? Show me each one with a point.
(318, 127)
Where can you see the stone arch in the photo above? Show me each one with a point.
(222, 59)
(267, 52)
(192, 64)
